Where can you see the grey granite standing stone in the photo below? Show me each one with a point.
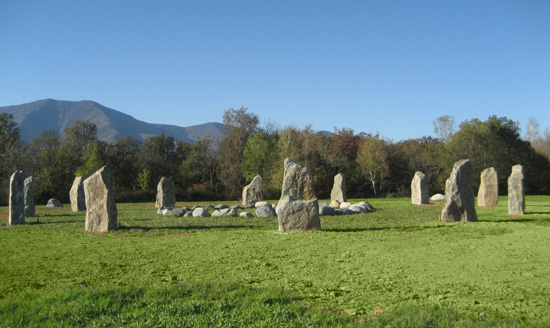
(101, 210)
(298, 209)
(166, 194)
(77, 196)
(29, 197)
(252, 193)
(459, 194)
(338, 191)
(17, 199)
(487, 196)
(419, 189)
(516, 191)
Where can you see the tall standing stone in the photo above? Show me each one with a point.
(516, 191)
(17, 199)
(419, 189)
(29, 197)
(487, 195)
(338, 191)
(459, 194)
(101, 210)
(77, 195)
(298, 208)
(166, 194)
(252, 193)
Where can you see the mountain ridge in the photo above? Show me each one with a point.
(50, 114)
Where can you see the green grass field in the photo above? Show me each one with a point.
(398, 266)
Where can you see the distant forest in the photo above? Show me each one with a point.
(219, 169)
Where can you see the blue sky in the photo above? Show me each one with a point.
(373, 66)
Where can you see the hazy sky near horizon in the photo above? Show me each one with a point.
(391, 67)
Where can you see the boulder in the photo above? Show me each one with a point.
(487, 195)
(338, 191)
(246, 215)
(225, 212)
(260, 204)
(52, 202)
(335, 203)
(516, 191)
(265, 211)
(166, 194)
(298, 209)
(345, 205)
(326, 210)
(366, 205)
(101, 210)
(174, 212)
(188, 214)
(343, 211)
(459, 194)
(29, 197)
(221, 207)
(200, 212)
(357, 209)
(77, 196)
(16, 204)
(252, 192)
(437, 198)
(419, 189)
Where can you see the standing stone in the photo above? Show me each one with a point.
(338, 191)
(459, 194)
(298, 209)
(252, 193)
(101, 210)
(166, 195)
(29, 197)
(17, 199)
(487, 195)
(516, 191)
(419, 189)
(77, 196)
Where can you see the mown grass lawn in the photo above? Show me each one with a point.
(399, 259)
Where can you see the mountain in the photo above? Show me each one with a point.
(49, 114)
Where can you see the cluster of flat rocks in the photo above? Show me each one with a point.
(263, 210)
(345, 208)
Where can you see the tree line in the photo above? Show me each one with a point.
(218, 169)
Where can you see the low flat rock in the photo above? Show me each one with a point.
(221, 207)
(174, 212)
(326, 210)
(260, 204)
(366, 205)
(438, 198)
(265, 211)
(335, 203)
(52, 202)
(246, 215)
(200, 212)
(357, 209)
(345, 205)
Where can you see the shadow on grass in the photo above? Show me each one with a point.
(355, 229)
(144, 228)
(520, 220)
